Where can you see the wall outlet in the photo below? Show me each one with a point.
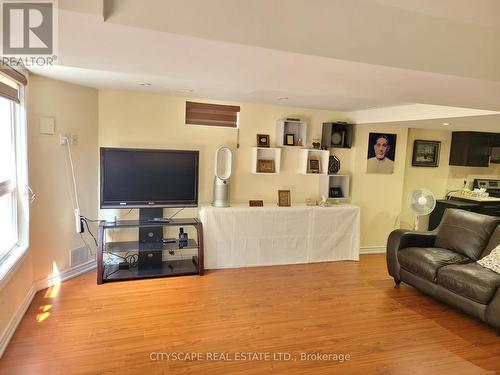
(72, 139)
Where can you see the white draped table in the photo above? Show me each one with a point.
(242, 236)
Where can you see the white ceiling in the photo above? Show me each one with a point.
(219, 49)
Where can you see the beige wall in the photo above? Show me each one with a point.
(130, 119)
(439, 179)
(378, 195)
(433, 178)
(52, 232)
(14, 293)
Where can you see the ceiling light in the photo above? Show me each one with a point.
(144, 84)
(185, 90)
(283, 98)
(446, 124)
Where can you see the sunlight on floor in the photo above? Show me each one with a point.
(52, 292)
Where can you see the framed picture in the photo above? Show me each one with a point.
(265, 166)
(336, 192)
(262, 140)
(381, 153)
(425, 153)
(284, 198)
(256, 203)
(313, 165)
(289, 139)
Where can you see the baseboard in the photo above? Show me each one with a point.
(65, 275)
(35, 287)
(372, 250)
(15, 320)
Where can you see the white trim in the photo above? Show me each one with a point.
(65, 275)
(15, 320)
(7, 334)
(372, 250)
(11, 263)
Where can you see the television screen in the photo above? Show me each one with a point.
(148, 178)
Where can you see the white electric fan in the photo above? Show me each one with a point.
(422, 202)
(223, 166)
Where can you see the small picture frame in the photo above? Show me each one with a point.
(425, 153)
(284, 198)
(289, 139)
(256, 203)
(336, 192)
(263, 140)
(314, 165)
(265, 166)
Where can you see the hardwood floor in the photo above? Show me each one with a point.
(349, 308)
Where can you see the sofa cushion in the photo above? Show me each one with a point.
(469, 280)
(493, 242)
(491, 261)
(425, 261)
(465, 232)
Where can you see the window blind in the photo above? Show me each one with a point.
(10, 79)
(212, 114)
(13, 74)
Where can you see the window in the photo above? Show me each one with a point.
(13, 174)
(212, 114)
(8, 215)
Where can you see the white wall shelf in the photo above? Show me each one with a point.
(297, 128)
(335, 180)
(266, 153)
(305, 154)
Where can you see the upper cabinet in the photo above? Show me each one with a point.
(472, 149)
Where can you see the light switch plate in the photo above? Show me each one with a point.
(47, 125)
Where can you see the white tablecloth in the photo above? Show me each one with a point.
(242, 236)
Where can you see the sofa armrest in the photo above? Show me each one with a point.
(402, 238)
(493, 311)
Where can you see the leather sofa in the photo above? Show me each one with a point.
(443, 263)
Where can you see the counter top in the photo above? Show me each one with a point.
(474, 199)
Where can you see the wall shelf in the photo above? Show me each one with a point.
(305, 154)
(265, 153)
(289, 126)
(335, 180)
(336, 135)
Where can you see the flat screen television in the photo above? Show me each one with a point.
(141, 178)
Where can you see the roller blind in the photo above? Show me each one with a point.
(10, 80)
(14, 74)
(212, 114)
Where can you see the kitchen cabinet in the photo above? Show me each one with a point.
(472, 149)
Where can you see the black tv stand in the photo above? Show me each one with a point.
(187, 258)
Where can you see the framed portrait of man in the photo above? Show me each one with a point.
(381, 153)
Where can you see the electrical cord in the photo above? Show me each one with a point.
(72, 172)
(171, 217)
(91, 220)
(88, 230)
(96, 221)
(89, 248)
